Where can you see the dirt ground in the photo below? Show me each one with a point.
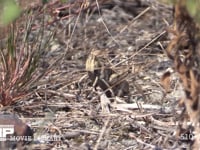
(65, 103)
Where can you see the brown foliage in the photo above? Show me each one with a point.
(183, 50)
(166, 81)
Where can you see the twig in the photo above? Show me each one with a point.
(72, 33)
(105, 24)
(141, 142)
(102, 133)
(144, 106)
(161, 123)
(134, 19)
(136, 53)
(59, 93)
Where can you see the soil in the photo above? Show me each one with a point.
(65, 104)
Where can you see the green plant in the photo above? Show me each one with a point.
(193, 7)
(19, 60)
(9, 11)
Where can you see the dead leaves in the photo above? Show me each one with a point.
(183, 51)
(166, 81)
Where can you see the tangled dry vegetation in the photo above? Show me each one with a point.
(116, 46)
(183, 49)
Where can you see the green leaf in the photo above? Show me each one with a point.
(63, 1)
(10, 12)
(192, 7)
(45, 1)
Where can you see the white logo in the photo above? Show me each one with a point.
(6, 130)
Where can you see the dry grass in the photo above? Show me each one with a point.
(64, 102)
